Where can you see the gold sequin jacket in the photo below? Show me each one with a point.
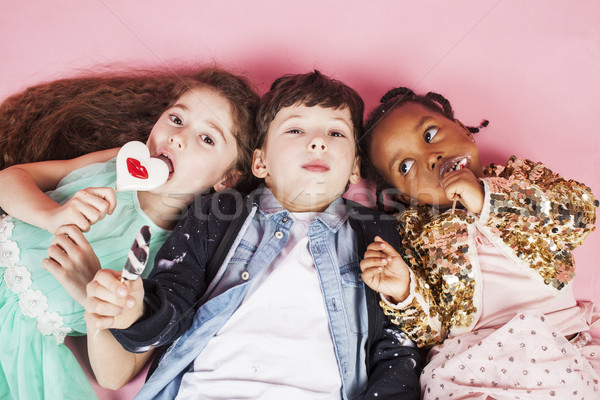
(532, 215)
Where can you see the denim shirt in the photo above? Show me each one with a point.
(263, 235)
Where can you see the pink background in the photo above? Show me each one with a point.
(531, 67)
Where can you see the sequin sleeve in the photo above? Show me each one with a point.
(433, 306)
(538, 214)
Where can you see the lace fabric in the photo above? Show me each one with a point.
(33, 303)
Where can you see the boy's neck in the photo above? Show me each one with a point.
(164, 211)
(295, 206)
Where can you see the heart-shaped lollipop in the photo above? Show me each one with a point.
(136, 170)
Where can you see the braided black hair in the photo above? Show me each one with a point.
(393, 99)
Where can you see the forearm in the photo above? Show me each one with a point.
(22, 198)
(113, 366)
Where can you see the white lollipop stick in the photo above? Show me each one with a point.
(136, 170)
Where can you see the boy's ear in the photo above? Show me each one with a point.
(259, 169)
(355, 175)
(228, 181)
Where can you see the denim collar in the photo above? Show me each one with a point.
(333, 217)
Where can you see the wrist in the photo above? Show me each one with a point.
(45, 215)
(398, 298)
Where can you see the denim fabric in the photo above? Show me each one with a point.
(333, 247)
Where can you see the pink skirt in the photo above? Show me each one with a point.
(528, 358)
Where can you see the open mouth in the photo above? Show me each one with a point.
(167, 161)
(454, 164)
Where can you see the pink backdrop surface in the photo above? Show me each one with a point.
(531, 67)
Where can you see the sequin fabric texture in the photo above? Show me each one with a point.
(533, 215)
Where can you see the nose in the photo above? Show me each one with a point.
(434, 158)
(177, 139)
(317, 143)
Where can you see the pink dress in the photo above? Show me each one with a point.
(518, 348)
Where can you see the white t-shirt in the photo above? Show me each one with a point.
(277, 344)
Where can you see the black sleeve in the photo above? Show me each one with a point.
(177, 281)
(393, 361)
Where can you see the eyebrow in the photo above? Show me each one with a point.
(210, 123)
(393, 161)
(422, 122)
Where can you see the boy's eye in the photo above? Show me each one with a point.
(207, 139)
(337, 134)
(175, 119)
(430, 133)
(294, 131)
(406, 166)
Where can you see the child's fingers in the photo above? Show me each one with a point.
(372, 265)
(58, 255)
(384, 247)
(53, 267)
(103, 308)
(373, 258)
(92, 207)
(375, 254)
(74, 234)
(77, 218)
(108, 197)
(100, 322)
(65, 250)
(377, 245)
(64, 242)
(103, 301)
(111, 281)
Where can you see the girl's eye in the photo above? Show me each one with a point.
(406, 166)
(294, 131)
(207, 139)
(175, 119)
(430, 133)
(337, 134)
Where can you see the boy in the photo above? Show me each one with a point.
(263, 296)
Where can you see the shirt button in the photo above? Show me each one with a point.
(245, 275)
(360, 277)
(285, 219)
(278, 234)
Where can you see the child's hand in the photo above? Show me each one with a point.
(384, 271)
(72, 261)
(111, 303)
(84, 209)
(464, 186)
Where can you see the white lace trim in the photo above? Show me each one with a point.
(33, 303)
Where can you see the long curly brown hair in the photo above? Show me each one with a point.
(70, 117)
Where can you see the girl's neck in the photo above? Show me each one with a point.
(163, 210)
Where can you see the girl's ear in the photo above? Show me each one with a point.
(259, 169)
(228, 181)
(355, 175)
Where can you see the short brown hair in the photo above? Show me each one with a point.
(310, 89)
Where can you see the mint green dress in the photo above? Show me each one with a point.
(35, 311)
